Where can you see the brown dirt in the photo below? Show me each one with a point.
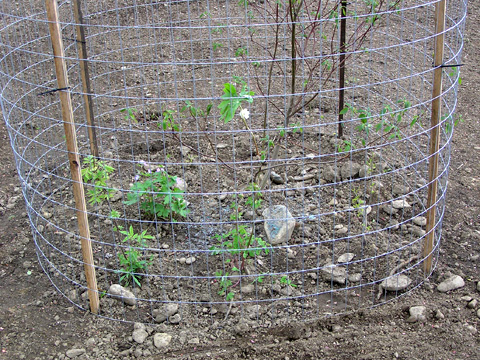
(37, 323)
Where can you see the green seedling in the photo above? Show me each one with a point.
(97, 173)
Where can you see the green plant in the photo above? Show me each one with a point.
(232, 99)
(285, 280)
(225, 285)
(132, 263)
(130, 114)
(357, 202)
(159, 194)
(168, 121)
(97, 173)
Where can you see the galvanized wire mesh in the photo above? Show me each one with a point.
(345, 214)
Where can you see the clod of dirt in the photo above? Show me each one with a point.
(452, 283)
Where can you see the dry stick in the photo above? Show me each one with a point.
(341, 92)
(440, 8)
(87, 98)
(394, 270)
(73, 157)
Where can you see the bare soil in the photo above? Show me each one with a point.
(38, 323)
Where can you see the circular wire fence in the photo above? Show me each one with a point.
(275, 160)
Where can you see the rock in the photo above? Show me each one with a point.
(478, 313)
(363, 172)
(344, 258)
(472, 304)
(478, 286)
(472, 329)
(139, 334)
(439, 315)
(389, 209)
(180, 184)
(279, 224)
(400, 204)
(247, 289)
(335, 273)
(420, 220)
(163, 314)
(328, 174)
(73, 353)
(222, 146)
(349, 170)
(194, 341)
(276, 178)
(162, 340)
(417, 313)
(340, 229)
(415, 230)
(119, 292)
(175, 319)
(333, 202)
(396, 283)
(355, 277)
(190, 260)
(400, 189)
(452, 283)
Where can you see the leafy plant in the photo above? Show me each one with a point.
(132, 261)
(232, 99)
(130, 114)
(97, 172)
(159, 194)
(225, 284)
(285, 280)
(168, 121)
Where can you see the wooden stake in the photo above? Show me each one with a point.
(440, 9)
(87, 98)
(73, 157)
(341, 75)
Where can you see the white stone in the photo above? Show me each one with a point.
(119, 292)
(73, 353)
(400, 204)
(162, 340)
(396, 283)
(420, 221)
(452, 283)
(417, 313)
(279, 224)
(344, 258)
(139, 335)
(335, 273)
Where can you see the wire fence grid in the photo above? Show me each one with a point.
(261, 159)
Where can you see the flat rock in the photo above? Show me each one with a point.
(335, 273)
(162, 340)
(349, 170)
(452, 283)
(400, 189)
(328, 174)
(344, 258)
(120, 293)
(73, 353)
(400, 204)
(279, 224)
(396, 283)
(168, 311)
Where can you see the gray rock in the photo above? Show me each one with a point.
(162, 340)
(355, 277)
(363, 172)
(439, 315)
(417, 313)
(175, 319)
(344, 258)
(400, 204)
(73, 353)
(334, 273)
(190, 260)
(389, 209)
(247, 289)
(396, 283)
(119, 292)
(349, 170)
(478, 313)
(328, 174)
(472, 304)
(279, 224)
(168, 310)
(452, 283)
(400, 189)
(420, 220)
(478, 286)
(139, 335)
(415, 230)
(473, 330)
(276, 178)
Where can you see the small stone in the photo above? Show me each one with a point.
(194, 341)
(396, 283)
(190, 260)
(182, 260)
(276, 178)
(420, 220)
(415, 230)
(344, 258)
(355, 277)
(328, 174)
(478, 286)
(439, 315)
(247, 289)
(139, 335)
(333, 202)
(389, 209)
(168, 311)
(417, 313)
(472, 304)
(279, 224)
(478, 313)
(335, 273)
(162, 340)
(400, 189)
(175, 319)
(73, 353)
(472, 329)
(119, 292)
(400, 204)
(349, 170)
(452, 283)
(221, 146)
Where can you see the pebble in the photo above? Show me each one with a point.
(162, 340)
(415, 230)
(119, 292)
(139, 333)
(355, 277)
(452, 283)
(472, 304)
(190, 260)
(163, 314)
(328, 174)
(349, 170)
(472, 329)
(400, 204)
(420, 220)
(396, 283)
(478, 313)
(400, 189)
(439, 315)
(335, 273)
(73, 353)
(279, 224)
(344, 258)
(247, 289)
(175, 319)
(276, 178)
(478, 286)
(417, 313)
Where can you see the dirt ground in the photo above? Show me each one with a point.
(38, 323)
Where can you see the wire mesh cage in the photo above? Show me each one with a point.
(208, 159)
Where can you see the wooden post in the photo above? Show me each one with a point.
(341, 75)
(440, 9)
(87, 98)
(73, 157)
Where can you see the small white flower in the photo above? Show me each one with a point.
(137, 177)
(244, 114)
